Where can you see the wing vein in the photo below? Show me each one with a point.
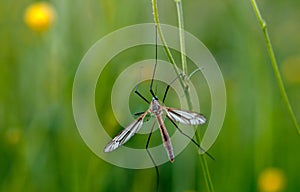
(125, 134)
(185, 117)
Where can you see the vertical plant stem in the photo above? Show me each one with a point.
(183, 78)
(160, 34)
(274, 64)
(206, 174)
(165, 46)
(203, 162)
(181, 35)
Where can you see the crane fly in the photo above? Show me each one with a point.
(157, 109)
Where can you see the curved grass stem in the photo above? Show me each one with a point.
(264, 28)
(160, 34)
(183, 78)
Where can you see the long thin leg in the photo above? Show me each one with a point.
(209, 155)
(196, 70)
(156, 168)
(139, 94)
(168, 87)
(154, 70)
(139, 113)
(165, 94)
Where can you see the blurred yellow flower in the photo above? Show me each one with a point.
(271, 180)
(39, 16)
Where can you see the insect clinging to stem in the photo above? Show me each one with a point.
(157, 109)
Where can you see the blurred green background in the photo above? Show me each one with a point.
(40, 146)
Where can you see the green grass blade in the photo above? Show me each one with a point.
(264, 28)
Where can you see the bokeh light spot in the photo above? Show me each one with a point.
(271, 180)
(39, 16)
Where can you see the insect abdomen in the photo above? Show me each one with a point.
(166, 139)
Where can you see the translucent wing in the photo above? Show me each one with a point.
(185, 117)
(126, 134)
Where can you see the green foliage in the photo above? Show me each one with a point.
(41, 149)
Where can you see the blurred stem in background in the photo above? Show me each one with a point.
(183, 78)
(264, 28)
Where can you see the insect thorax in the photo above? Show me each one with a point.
(155, 107)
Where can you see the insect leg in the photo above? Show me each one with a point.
(168, 87)
(154, 70)
(156, 168)
(139, 113)
(209, 155)
(139, 94)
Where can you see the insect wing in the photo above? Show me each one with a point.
(185, 117)
(126, 134)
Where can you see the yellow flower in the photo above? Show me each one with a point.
(271, 180)
(39, 16)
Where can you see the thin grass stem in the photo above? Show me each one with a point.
(165, 46)
(264, 28)
(203, 162)
(183, 80)
(181, 35)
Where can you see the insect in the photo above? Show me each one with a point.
(157, 109)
